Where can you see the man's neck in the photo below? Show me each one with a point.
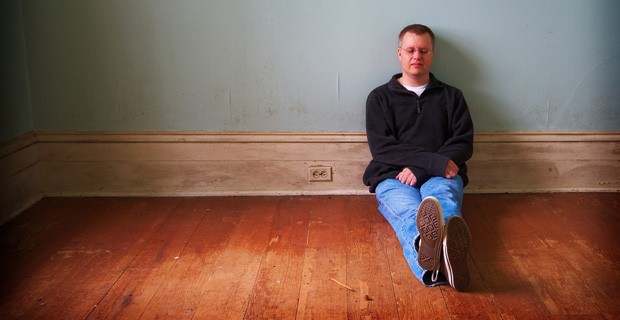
(414, 81)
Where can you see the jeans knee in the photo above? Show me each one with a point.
(441, 185)
(449, 192)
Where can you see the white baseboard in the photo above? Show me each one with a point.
(19, 176)
(205, 164)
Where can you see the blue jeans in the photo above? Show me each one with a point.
(399, 203)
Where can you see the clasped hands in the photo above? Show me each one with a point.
(407, 177)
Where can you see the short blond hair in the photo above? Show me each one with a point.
(418, 29)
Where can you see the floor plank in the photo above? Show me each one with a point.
(78, 274)
(324, 260)
(27, 240)
(226, 292)
(275, 294)
(139, 282)
(181, 292)
(105, 251)
(367, 268)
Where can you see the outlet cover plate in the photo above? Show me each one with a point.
(319, 173)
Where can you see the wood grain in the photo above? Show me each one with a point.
(533, 256)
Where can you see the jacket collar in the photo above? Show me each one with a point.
(394, 85)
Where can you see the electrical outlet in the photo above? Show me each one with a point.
(319, 173)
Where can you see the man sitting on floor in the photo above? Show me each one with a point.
(420, 134)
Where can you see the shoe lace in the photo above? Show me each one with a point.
(435, 275)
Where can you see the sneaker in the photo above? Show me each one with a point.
(430, 225)
(456, 244)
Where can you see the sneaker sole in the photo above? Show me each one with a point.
(430, 225)
(455, 250)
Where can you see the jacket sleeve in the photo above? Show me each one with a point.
(459, 147)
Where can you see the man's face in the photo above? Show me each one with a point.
(413, 61)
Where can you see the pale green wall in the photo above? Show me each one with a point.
(15, 111)
(286, 65)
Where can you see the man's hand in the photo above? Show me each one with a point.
(407, 177)
(451, 170)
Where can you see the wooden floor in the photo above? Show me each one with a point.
(544, 256)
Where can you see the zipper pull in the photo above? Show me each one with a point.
(418, 105)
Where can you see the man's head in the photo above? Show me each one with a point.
(416, 44)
